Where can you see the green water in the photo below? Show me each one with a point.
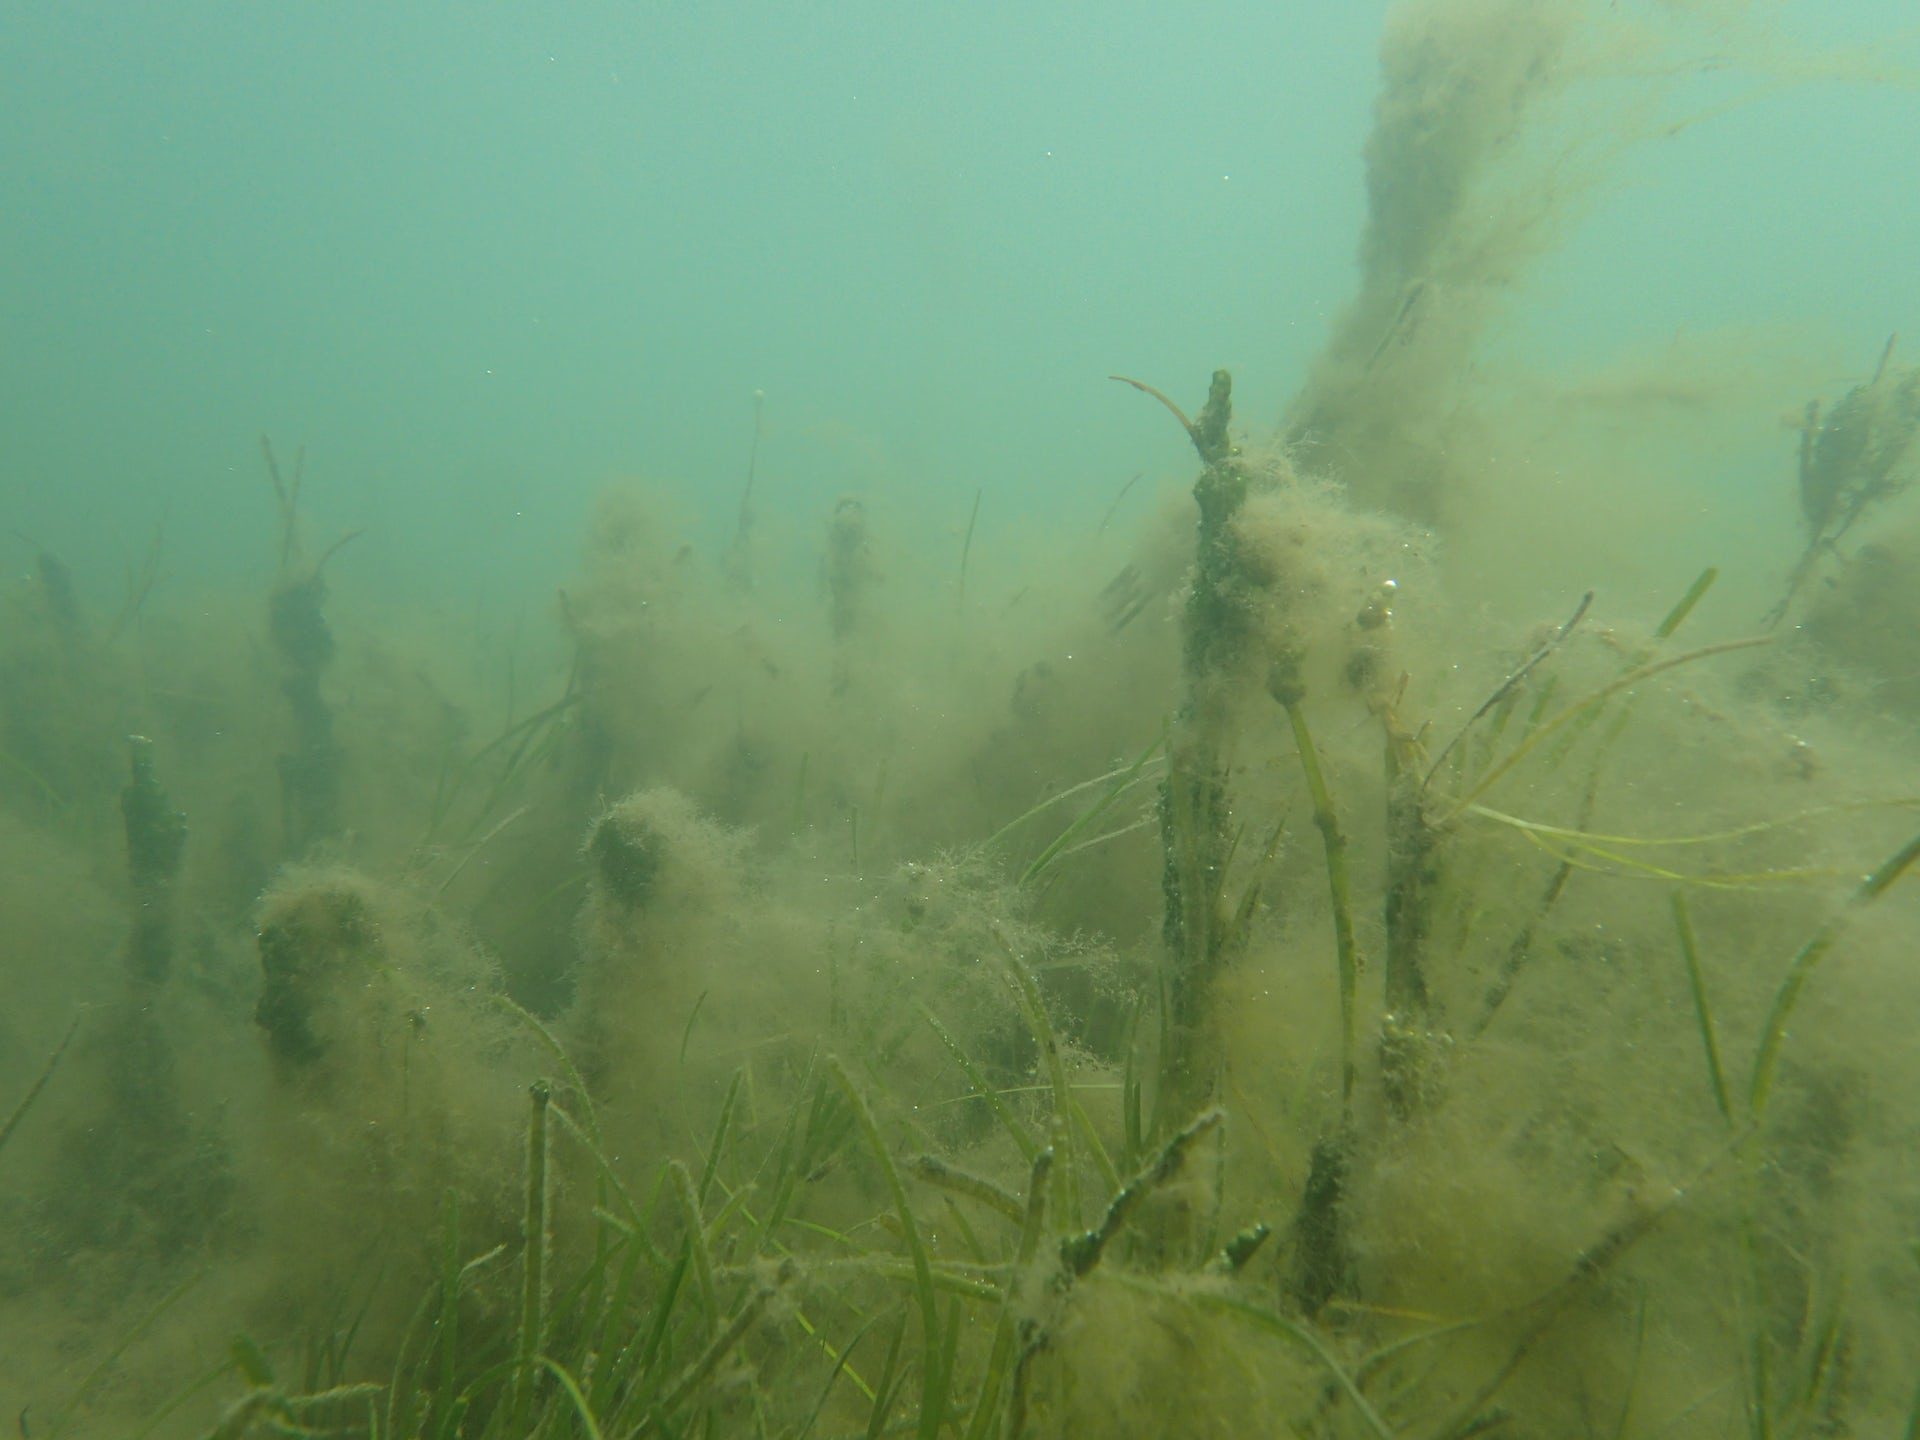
(635, 799)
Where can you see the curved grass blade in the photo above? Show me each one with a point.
(933, 1398)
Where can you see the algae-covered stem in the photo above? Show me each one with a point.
(156, 842)
(1194, 804)
(533, 1240)
(1196, 813)
(141, 1067)
(739, 563)
(1284, 684)
(1320, 1258)
(147, 1165)
(1196, 831)
(303, 644)
(1413, 872)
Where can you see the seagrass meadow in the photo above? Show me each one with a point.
(1394, 921)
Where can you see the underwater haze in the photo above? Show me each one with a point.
(485, 262)
(978, 721)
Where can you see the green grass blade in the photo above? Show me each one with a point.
(19, 1112)
(174, 1401)
(712, 1168)
(1334, 842)
(698, 1373)
(1066, 1194)
(1302, 1337)
(1620, 1427)
(607, 1343)
(1539, 734)
(681, 1181)
(1102, 1161)
(784, 1159)
(112, 1357)
(533, 1258)
(447, 1332)
(572, 1389)
(933, 1399)
(1090, 816)
(1774, 1033)
(1695, 593)
(840, 1360)
(636, 1222)
(1696, 982)
(1047, 804)
(888, 1385)
(992, 1384)
(553, 1047)
(663, 1308)
(1023, 1142)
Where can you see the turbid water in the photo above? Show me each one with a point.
(1351, 879)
